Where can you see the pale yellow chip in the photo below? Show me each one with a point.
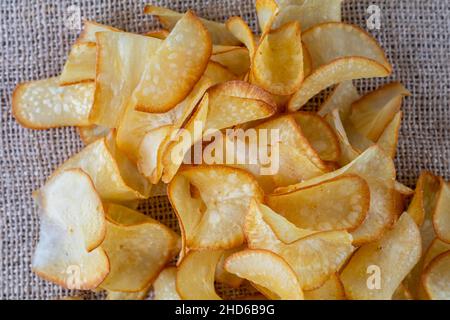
(211, 214)
(195, 275)
(436, 278)
(388, 140)
(373, 112)
(278, 61)
(168, 18)
(115, 177)
(309, 13)
(332, 289)
(121, 60)
(158, 34)
(222, 275)
(314, 256)
(137, 252)
(338, 204)
(236, 60)
(342, 97)
(436, 247)
(89, 134)
(175, 67)
(266, 11)
(80, 64)
(319, 134)
(71, 232)
(267, 270)
(377, 269)
(119, 295)
(165, 286)
(240, 30)
(43, 104)
(441, 215)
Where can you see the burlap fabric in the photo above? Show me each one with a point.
(35, 41)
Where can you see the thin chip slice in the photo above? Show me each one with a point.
(176, 66)
(377, 269)
(436, 278)
(373, 112)
(168, 18)
(278, 61)
(165, 287)
(43, 104)
(115, 177)
(314, 256)
(436, 248)
(236, 60)
(266, 11)
(211, 215)
(319, 134)
(89, 134)
(222, 275)
(240, 30)
(342, 97)
(80, 64)
(90, 29)
(309, 13)
(334, 72)
(121, 61)
(267, 270)
(389, 138)
(71, 231)
(195, 275)
(158, 34)
(441, 215)
(338, 204)
(137, 253)
(332, 289)
(118, 295)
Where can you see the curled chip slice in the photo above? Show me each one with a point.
(266, 11)
(165, 286)
(68, 251)
(340, 203)
(390, 258)
(342, 97)
(121, 61)
(268, 271)
(43, 104)
(334, 72)
(314, 256)
(89, 134)
(309, 13)
(436, 278)
(119, 295)
(372, 113)
(389, 138)
(319, 134)
(175, 67)
(240, 30)
(115, 177)
(236, 60)
(441, 215)
(222, 275)
(168, 18)
(137, 247)
(211, 214)
(80, 64)
(195, 275)
(332, 289)
(436, 247)
(278, 61)
(158, 34)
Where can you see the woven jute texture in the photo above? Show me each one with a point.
(35, 40)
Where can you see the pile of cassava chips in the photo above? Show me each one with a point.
(269, 198)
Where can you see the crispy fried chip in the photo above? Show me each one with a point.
(138, 248)
(80, 64)
(266, 11)
(183, 57)
(441, 215)
(309, 13)
(68, 251)
(43, 104)
(195, 275)
(115, 177)
(389, 138)
(314, 256)
(401, 293)
(165, 286)
(211, 215)
(319, 134)
(121, 61)
(222, 275)
(119, 295)
(332, 289)
(338, 204)
(391, 258)
(89, 134)
(436, 278)
(267, 270)
(168, 18)
(236, 60)
(372, 113)
(342, 97)
(158, 34)
(240, 30)
(436, 247)
(278, 61)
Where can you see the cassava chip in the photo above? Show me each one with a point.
(175, 67)
(436, 247)
(266, 11)
(377, 269)
(267, 270)
(342, 97)
(341, 203)
(436, 278)
(43, 104)
(89, 134)
(119, 295)
(211, 214)
(195, 275)
(332, 289)
(80, 64)
(68, 251)
(240, 30)
(441, 215)
(389, 138)
(236, 60)
(314, 256)
(165, 287)
(222, 275)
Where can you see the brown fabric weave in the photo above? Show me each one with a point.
(35, 42)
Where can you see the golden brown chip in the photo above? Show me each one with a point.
(165, 287)
(436, 278)
(441, 215)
